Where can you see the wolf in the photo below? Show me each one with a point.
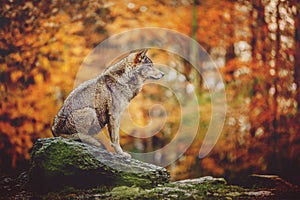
(99, 102)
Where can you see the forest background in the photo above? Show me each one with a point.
(254, 43)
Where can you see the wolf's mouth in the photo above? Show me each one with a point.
(157, 77)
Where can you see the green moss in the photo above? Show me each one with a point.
(212, 189)
(125, 192)
(206, 190)
(61, 156)
(58, 162)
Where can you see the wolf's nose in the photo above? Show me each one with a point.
(162, 74)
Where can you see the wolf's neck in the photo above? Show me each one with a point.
(132, 88)
(128, 88)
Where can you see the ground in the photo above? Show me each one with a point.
(200, 188)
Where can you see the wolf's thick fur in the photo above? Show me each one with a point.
(100, 101)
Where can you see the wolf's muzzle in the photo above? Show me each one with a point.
(157, 76)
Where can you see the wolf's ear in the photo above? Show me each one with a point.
(137, 56)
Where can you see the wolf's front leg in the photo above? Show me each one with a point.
(113, 129)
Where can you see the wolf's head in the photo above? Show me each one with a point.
(144, 66)
(134, 69)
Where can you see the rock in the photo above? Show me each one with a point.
(201, 180)
(58, 163)
(14, 186)
(270, 181)
(185, 189)
(200, 188)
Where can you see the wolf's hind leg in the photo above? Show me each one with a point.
(83, 124)
(90, 140)
(70, 136)
(84, 138)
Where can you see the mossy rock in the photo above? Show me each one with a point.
(199, 188)
(58, 163)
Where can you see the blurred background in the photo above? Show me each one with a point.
(254, 43)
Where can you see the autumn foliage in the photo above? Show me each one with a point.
(39, 60)
(255, 45)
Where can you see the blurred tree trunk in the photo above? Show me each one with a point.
(272, 166)
(194, 56)
(296, 136)
(297, 54)
(260, 49)
(230, 53)
(254, 33)
(259, 31)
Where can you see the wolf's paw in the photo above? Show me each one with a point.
(127, 155)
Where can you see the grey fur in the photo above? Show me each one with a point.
(100, 101)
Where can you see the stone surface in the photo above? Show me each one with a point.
(79, 171)
(200, 188)
(58, 163)
(269, 181)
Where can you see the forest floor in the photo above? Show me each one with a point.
(201, 188)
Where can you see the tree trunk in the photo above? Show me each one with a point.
(297, 55)
(272, 164)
